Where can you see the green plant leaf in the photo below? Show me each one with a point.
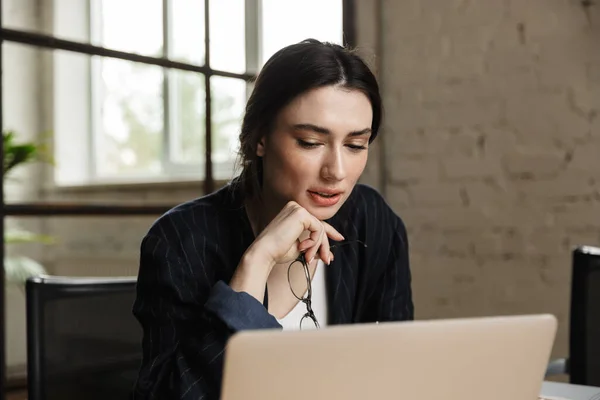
(19, 269)
(23, 236)
(20, 153)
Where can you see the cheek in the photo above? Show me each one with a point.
(301, 166)
(288, 167)
(357, 164)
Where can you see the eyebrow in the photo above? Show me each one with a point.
(325, 131)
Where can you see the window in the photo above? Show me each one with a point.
(150, 123)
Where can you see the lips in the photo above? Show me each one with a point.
(325, 197)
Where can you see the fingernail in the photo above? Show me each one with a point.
(329, 263)
(311, 259)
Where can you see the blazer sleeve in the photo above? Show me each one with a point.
(392, 296)
(186, 323)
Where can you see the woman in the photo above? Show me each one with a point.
(239, 258)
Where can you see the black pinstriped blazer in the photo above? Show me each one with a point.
(187, 310)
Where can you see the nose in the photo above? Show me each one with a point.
(334, 168)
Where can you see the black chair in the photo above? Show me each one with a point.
(82, 339)
(583, 362)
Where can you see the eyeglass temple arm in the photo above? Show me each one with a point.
(333, 246)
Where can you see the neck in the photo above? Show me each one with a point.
(261, 211)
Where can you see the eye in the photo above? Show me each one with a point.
(307, 145)
(356, 147)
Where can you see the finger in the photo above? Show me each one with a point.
(316, 229)
(310, 224)
(306, 244)
(324, 250)
(312, 252)
(316, 233)
(332, 232)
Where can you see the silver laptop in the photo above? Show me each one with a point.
(491, 358)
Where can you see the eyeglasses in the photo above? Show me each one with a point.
(309, 320)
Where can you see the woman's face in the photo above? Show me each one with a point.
(317, 150)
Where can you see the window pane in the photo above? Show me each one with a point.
(228, 102)
(287, 22)
(188, 123)
(69, 18)
(128, 99)
(133, 26)
(72, 136)
(227, 35)
(187, 30)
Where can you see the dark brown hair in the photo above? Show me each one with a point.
(290, 72)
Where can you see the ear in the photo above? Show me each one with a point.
(260, 147)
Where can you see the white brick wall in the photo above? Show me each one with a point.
(492, 139)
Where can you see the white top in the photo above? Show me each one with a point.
(319, 304)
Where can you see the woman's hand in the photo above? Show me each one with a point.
(292, 231)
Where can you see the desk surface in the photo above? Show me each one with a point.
(571, 392)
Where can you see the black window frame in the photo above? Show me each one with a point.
(52, 43)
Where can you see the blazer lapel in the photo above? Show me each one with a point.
(339, 290)
(339, 276)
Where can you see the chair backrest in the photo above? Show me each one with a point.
(584, 346)
(82, 339)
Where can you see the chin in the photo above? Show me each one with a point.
(322, 213)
